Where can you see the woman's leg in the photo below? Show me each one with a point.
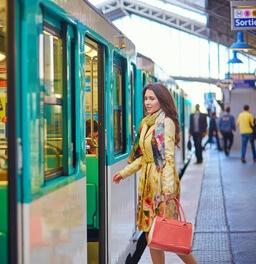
(188, 259)
(157, 256)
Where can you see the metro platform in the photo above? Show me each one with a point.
(219, 198)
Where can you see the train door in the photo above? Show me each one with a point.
(95, 158)
(5, 204)
(134, 117)
(144, 79)
(138, 98)
(134, 113)
(187, 111)
(182, 125)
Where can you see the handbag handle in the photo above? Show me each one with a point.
(179, 208)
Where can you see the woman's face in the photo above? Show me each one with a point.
(151, 102)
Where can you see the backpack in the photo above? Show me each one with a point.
(225, 123)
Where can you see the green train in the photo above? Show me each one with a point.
(70, 105)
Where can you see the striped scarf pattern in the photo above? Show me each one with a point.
(157, 142)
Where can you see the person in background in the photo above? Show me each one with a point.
(254, 129)
(154, 155)
(227, 126)
(213, 131)
(197, 129)
(245, 123)
(91, 136)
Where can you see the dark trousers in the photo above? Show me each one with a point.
(210, 139)
(197, 138)
(228, 138)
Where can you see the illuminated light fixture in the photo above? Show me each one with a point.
(240, 44)
(120, 42)
(2, 56)
(234, 59)
(91, 52)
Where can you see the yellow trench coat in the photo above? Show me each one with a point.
(153, 184)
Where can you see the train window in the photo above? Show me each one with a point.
(119, 105)
(3, 94)
(53, 103)
(152, 79)
(91, 96)
(144, 79)
(133, 106)
(73, 100)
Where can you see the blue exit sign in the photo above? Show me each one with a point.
(245, 22)
(243, 15)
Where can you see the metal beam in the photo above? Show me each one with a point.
(115, 9)
(155, 14)
(196, 79)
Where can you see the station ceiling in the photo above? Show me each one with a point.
(218, 27)
(218, 12)
(219, 20)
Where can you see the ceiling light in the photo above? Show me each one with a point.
(91, 52)
(240, 44)
(2, 56)
(234, 59)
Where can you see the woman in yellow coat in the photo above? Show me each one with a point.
(153, 154)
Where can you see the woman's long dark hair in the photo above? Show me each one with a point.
(167, 105)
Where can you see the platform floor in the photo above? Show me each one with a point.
(219, 197)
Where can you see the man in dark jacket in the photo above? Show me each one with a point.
(213, 131)
(197, 129)
(227, 126)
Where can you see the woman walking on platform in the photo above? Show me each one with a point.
(153, 153)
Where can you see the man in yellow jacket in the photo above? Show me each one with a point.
(245, 124)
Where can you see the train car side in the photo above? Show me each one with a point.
(75, 66)
(79, 100)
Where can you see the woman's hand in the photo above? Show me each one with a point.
(168, 197)
(117, 178)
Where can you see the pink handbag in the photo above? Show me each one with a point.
(171, 234)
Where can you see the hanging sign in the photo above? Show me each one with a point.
(243, 76)
(244, 84)
(243, 15)
(244, 80)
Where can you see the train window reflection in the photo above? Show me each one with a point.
(92, 136)
(53, 104)
(133, 107)
(119, 105)
(91, 96)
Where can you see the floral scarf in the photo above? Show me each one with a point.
(157, 141)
